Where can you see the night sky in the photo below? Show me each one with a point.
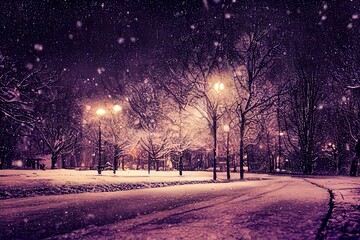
(91, 36)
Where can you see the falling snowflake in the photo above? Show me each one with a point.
(325, 6)
(133, 39)
(29, 66)
(79, 24)
(71, 36)
(100, 70)
(38, 47)
(227, 15)
(355, 16)
(323, 18)
(192, 26)
(121, 40)
(349, 26)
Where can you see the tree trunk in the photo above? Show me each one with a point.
(116, 157)
(63, 162)
(54, 159)
(181, 163)
(308, 164)
(123, 163)
(242, 131)
(227, 157)
(354, 167)
(149, 163)
(214, 150)
(157, 165)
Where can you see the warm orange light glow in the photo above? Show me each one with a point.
(226, 128)
(219, 86)
(117, 108)
(100, 111)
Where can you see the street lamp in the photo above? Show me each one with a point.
(116, 108)
(100, 112)
(227, 130)
(219, 86)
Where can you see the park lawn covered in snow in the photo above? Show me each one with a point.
(25, 183)
(74, 177)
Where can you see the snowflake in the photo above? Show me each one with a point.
(325, 6)
(100, 70)
(29, 66)
(38, 47)
(121, 40)
(79, 24)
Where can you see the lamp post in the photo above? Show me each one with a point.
(219, 86)
(334, 153)
(116, 108)
(100, 112)
(227, 130)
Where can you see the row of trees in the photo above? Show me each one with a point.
(283, 105)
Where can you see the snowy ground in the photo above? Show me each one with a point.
(26, 183)
(344, 221)
(278, 207)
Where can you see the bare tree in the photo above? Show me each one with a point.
(57, 121)
(346, 72)
(303, 120)
(254, 56)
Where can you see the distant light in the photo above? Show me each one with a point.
(219, 86)
(100, 111)
(226, 128)
(117, 108)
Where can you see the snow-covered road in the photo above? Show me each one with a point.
(277, 208)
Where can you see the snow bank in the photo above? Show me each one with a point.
(27, 183)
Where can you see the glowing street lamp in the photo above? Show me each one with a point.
(117, 108)
(219, 86)
(227, 130)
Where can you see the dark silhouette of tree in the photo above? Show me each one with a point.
(303, 112)
(253, 58)
(58, 120)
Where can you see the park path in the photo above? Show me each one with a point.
(277, 208)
